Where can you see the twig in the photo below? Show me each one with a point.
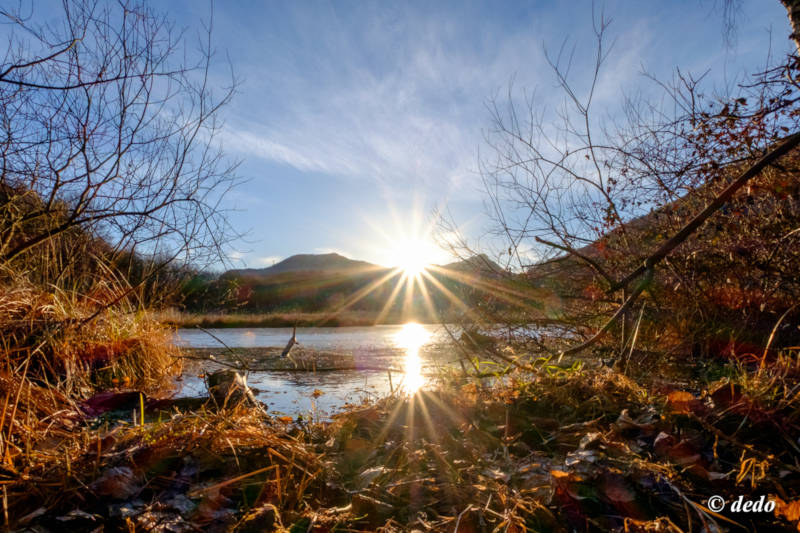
(462, 513)
(198, 492)
(633, 341)
(209, 358)
(622, 309)
(772, 337)
(752, 449)
(243, 363)
(588, 260)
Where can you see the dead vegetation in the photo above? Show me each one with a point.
(57, 338)
(87, 443)
(183, 319)
(54, 354)
(575, 450)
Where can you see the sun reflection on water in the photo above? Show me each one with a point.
(411, 338)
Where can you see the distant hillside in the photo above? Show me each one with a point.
(324, 283)
(306, 263)
(737, 271)
(308, 283)
(477, 263)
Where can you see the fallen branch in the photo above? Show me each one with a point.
(290, 344)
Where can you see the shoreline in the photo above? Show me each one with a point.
(282, 320)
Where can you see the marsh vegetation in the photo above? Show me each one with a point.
(646, 361)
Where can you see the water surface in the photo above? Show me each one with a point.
(409, 349)
(345, 338)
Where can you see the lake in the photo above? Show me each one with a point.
(411, 350)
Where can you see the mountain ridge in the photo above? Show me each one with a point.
(339, 264)
(307, 263)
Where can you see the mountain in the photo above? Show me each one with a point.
(332, 262)
(480, 264)
(307, 283)
(327, 282)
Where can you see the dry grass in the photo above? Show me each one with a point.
(198, 469)
(176, 318)
(54, 337)
(53, 353)
(584, 450)
(535, 450)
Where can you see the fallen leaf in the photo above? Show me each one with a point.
(679, 402)
(726, 395)
(117, 482)
(617, 490)
(789, 510)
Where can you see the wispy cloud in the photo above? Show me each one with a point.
(394, 95)
(413, 117)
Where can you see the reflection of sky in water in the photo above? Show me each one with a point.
(292, 393)
(358, 338)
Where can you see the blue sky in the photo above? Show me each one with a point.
(355, 120)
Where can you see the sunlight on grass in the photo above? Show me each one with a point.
(411, 338)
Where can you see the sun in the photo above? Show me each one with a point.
(413, 265)
(413, 256)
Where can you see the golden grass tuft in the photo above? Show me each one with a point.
(54, 352)
(54, 337)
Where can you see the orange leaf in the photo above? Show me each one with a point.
(679, 401)
(789, 510)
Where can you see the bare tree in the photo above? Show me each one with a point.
(793, 12)
(617, 199)
(108, 127)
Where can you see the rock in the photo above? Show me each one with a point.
(228, 388)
